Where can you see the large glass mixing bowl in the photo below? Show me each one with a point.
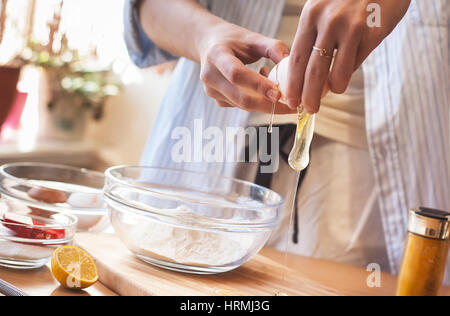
(189, 221)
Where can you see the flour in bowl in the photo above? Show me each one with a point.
(21, 251)
(18, 251)
(188, 246)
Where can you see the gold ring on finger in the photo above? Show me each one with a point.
(323, 52)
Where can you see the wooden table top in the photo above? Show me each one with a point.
(40, 282)
(346, 279)
(343, 279)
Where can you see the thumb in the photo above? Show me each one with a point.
(273, 49)
(264, 71)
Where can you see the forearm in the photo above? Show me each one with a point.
(185, 28)
(178, 26)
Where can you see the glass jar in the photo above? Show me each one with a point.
(426, 253)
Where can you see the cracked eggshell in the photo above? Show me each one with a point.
(280, 79)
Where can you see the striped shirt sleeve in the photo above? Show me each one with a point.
(142, 50)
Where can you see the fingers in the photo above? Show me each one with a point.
(239, 75)
(344, 63)
(317, 73)
(248, 101)
(300, 54)
(264, 71)
(281, 109)
(220, 99)
(227, 94)
(230, 82)
(273, 49)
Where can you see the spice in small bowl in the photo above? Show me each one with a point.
(26, 227)
(27, 240)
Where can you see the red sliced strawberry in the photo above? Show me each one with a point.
(23, 230)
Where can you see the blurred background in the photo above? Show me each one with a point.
(68, 91)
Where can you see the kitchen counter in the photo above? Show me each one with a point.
(77, 154)
(80, 154)
(327, 277)
(40, 282)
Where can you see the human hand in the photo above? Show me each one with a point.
(330, 25)
(223, 56)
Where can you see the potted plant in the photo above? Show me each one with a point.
(70, 89)
(75, 89)
(72, 86)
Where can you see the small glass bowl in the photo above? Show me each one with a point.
(29, 235)
(188, 221)
(58, 188)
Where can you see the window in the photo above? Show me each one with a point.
(88, 24)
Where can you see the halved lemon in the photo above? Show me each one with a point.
(74, 268)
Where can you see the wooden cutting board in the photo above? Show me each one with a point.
(122, 272)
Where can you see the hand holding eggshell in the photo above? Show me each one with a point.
(280, 76)
(333, 39)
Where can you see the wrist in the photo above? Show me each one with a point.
(210, 35)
